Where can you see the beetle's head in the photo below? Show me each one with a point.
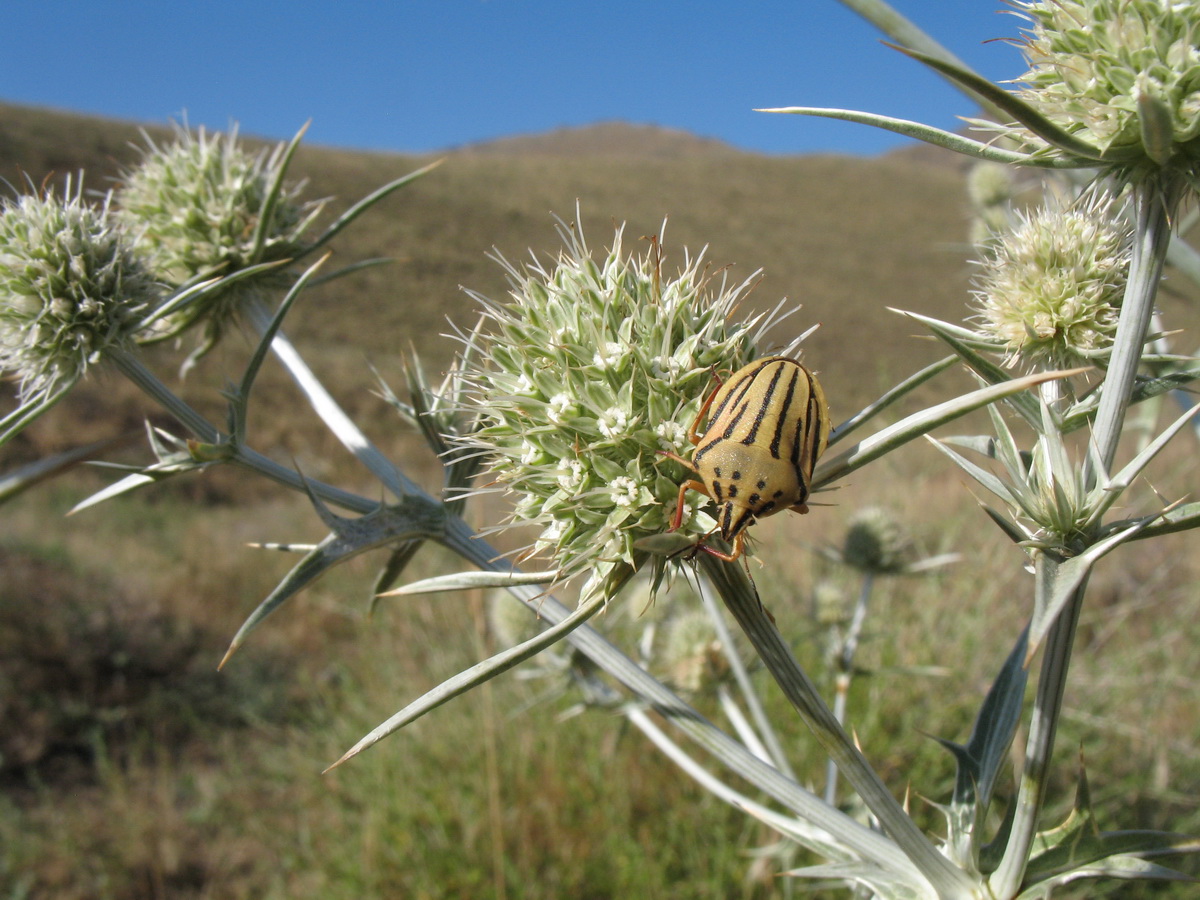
(733, 518)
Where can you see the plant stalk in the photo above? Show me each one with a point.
(1151, 238)
(947, 880)
(857, 838)
(1043, 727)
(845, 670)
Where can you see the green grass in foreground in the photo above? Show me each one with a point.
(217, 792)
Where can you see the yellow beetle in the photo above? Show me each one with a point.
(769, 424)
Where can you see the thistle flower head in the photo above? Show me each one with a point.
(585, 378)
(197, 205)
(830, 604)
(990, 190)
(1050, 289)
(71, 289)
(692, 653)
(876, 543)
(1121, 75)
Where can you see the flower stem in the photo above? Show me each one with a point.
(1151, 206)
(858, 839)
(736, 589)
(1006, 881)
(131, 367)
(845, 666)
(1152, 236)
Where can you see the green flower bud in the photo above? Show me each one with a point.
(196, 204)
(1122, 75)
(71, 289)
(875, 542)
(589, 373)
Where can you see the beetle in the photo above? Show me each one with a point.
(769, 424)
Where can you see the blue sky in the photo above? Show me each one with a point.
(426, 75)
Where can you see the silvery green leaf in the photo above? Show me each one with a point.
(882, 883)
(985, 478)
(979, 443)
(1180, 518)
(922, 132)
(1145, 387)
(266, 213)
(477, 675)
(888, 398)
(322, 402)
(350, 269)
(24, 477)
(172, 457)
(1046, 129)
(742, 601)
(465, 581)
(1119, 482)
(980, 760)
(900, 433)
(958, 340)
(1015, 533)
(1063, 576)
(366, 203)
(240, 399)
(402, 554)
(195, 290)
(902, 31)
(152, 474)
(25, 413)
(1078, 849)
(1123, 867)
(411, 518)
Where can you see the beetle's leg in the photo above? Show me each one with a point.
(677, 519)
(694, 432)
(679, 459)
(739, 547)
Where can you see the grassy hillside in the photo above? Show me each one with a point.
(128, 769)
(845, 237)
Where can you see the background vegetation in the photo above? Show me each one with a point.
(130, 769)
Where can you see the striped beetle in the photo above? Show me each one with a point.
(769, 424)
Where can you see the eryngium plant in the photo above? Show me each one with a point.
(584, 380)
(72, 289)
